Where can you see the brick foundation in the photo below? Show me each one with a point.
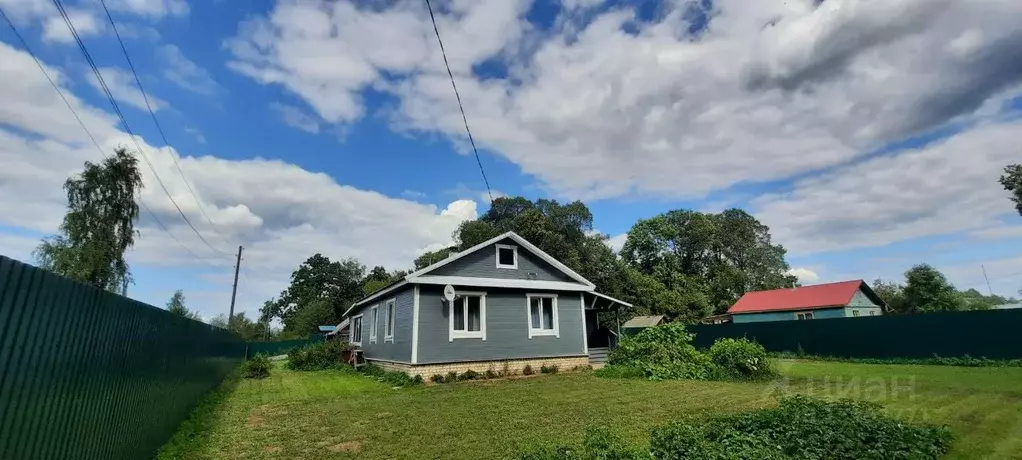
(514, 366)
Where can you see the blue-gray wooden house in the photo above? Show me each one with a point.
(514, 305)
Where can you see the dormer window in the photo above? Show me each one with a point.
(507, 256)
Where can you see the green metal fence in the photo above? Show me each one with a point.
(992, 334)
(86, 374)
(281, 347)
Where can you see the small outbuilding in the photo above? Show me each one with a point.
(845, 299)
(640, 323)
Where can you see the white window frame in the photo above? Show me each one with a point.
(356, 319)
(534, 332)
(514, 249)
(805, 315)
(390, 323)
(872, 313)
(374, 313)
(481, 333)
(855, 313)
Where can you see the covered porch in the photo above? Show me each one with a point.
(601, 338)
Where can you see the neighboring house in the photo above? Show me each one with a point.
(514, 305)
(640, 323)
(340, 331)
(845, 299)
(325, 331)
(717, 319)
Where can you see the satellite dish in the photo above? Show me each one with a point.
(449, 293)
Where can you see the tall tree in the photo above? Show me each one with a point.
(724, 255)
(928, 290)
(431, 257)
(319, 293)
(1012, 182)
(176, 305)
(892, 293)
(99, 225)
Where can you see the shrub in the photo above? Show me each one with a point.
(622, 371)
(664, 352)
(490, 374)
(258, 367)
(451, 377)
(741, 359)
(437, 378)
(551, 369)
(393, 378)
(469, 375)
(505, 370)
(582, 367)
(322, 355)
(527, 370)
(600, 443)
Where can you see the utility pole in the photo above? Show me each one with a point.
(234, 291)
(991, 291)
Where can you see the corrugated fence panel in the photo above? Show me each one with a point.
(992, 334)
(281, 347)
(87, 374)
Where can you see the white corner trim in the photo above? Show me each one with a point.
(415, 325)
(470, 281)
(585, 330)
(374, 316)
(388, 334)
(481, 333)
(514, 249)
(534, 332)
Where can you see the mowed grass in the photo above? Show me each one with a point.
(331, 414)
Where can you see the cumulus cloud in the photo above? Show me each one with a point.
(296, 118)
(152, 8)
(804, 275)
(280, 212)
(86, 24)
(187, 74)
(615, 106)
(123, 87)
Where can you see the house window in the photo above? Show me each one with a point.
(389, 334)
(542, 310)
(507, 256)
(806, 315)
(856, 312)
(356, 330)
(872, 313)
(468, 316)
(374, 314)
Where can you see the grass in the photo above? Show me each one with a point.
(333, 414)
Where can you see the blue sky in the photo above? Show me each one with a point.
(868, 135)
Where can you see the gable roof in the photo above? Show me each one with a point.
(643, 321)
(803, 298)
(418, 278)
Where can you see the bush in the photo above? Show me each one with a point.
(741, 359)
(437, 378)
(392, 378)
(551, 369)
(801, 428)
(490, 374)
(258, 367)
(318, 356)
(451, 377)
(527, 370)
(664, 352)
(469, 375)
(622, 371)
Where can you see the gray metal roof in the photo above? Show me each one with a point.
(644, 321)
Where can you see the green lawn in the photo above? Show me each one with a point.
(330, 414)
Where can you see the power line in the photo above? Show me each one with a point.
(153, 114)
(82, 124)
(460, 106)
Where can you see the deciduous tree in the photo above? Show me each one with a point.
(1012, 182)
(99, 225)
(928, 290)
(176, 305)
(319, 293)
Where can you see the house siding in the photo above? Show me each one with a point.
(507, 333)
(822, 313)
(860, 299)
(863, 311)
(483, 264)
(401, 349)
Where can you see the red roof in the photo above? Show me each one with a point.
(799, 298)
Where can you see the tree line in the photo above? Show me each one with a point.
(683, 264)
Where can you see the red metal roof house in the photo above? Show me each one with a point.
(843, 299)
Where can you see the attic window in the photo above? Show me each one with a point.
(507, 256)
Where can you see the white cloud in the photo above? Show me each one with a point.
(86, 24)
(280, 212)
(296, 118)
(594, 111)
(946, 187)
(617, 242)
(998, 232)
(187, 74)
(804, 275)
(199, 137)
(124, 88)
(152, 8)
(413, 194)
